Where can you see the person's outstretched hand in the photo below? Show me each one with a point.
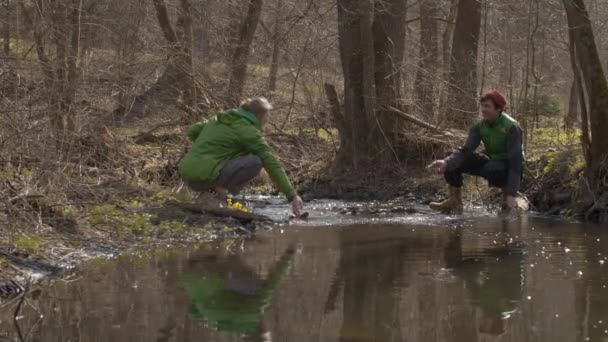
(297, 206)
(439, 166)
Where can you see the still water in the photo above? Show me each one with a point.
(475, 279)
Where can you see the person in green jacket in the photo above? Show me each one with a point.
(501, 163)
(230, 296)
(229, 150)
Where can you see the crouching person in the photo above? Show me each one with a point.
(228, 151)
(500, 163)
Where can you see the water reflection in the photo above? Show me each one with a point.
(493, 276)
(229, 295)
(367, 272)
(491, 280)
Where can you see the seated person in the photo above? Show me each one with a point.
(501, 163)
(228, 151)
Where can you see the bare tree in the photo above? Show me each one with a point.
(240, 56)
(586, 58)
(463, 63)
(61, 72)
(178, 77)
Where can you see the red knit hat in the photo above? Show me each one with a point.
(497, 98)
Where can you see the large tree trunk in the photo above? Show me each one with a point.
(429, 57)
(240, 56)
(462, 99)
(593, 79)
(371, 36)
(355, 110)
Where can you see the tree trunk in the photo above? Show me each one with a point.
(463, 64)
(371, 37)
(238, 65)
(60, 34)
(6, 29)
(340, 123)
(446, 46)
(593, 80)
(389, 44)
(72, 61)
(355, 110)
(276, 51)
(186, 56)
(429, 57)
(573, 114)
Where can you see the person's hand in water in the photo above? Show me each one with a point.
(439, 166)
(297, 206)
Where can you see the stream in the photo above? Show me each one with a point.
(340, 277)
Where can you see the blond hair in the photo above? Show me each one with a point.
(257, 105)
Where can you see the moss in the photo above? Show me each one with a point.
(29, 243)
(553, 137)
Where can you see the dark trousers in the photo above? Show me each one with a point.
(234, 176)
(494, 171)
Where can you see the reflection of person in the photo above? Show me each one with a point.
(230, 296)
(229, 150)
(501, 162)
(493, 279)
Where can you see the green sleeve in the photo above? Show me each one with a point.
(256, 144)
(276, 277)
(195, 130)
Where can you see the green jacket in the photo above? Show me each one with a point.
(226, 309)
(228, 135)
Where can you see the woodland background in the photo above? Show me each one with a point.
(95, 96)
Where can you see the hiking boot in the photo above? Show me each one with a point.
(453, 205)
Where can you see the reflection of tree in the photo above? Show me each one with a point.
(371, 300)
(229, 295)
(592, 301)
(493, 277)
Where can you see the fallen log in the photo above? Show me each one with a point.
(240, 216)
